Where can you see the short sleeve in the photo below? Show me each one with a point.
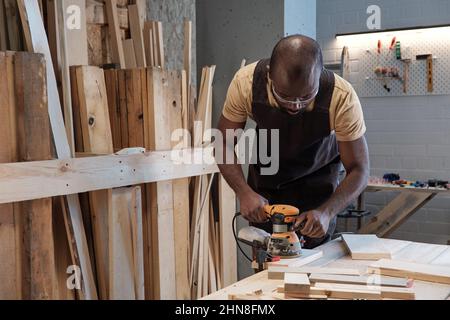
(349, 118)
(237, 105)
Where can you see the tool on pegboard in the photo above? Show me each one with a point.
(429, 59)
(403, 53)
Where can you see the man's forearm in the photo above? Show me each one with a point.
(234, 175)
(351, 187)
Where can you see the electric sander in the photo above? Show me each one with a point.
(282, 244)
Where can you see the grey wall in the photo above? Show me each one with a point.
(172, 14)
(300, 17)
(409, 135)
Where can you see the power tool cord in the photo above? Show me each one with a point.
(233, 225)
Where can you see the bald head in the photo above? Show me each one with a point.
(296, 65)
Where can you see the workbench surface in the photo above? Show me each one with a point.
(335, 255)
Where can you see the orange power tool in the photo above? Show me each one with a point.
(284, 242)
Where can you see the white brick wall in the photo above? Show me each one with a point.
(408, 135)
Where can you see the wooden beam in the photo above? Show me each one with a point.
(22, 181)
(365, 247)
(114, 33)
(389, 219)
(136, 34)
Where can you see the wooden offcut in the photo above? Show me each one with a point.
(365, 247)
(296, 283)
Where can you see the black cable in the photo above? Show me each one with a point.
(233, 225)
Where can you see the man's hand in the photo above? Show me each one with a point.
(315, 222)
(252, 207)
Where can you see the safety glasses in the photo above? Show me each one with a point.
(298, 103)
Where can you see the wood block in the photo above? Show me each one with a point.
(296, 282)
(416, 271)
(277, 273)
(365, 247)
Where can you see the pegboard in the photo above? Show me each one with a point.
(364, 59)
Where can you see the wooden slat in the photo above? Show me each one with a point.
(112, 90)
(97, 137)
(187, 58)
(3, 28)
(228, 254)
(114, 33)
(277, 273)
(162, 200)
(361, 280)
(12, 21)
(136, 35)
(385, 292)
(180, 192)
(129, 53)
(390, 217)
(148, 44)
(125, 245)
(158, 29)
(365, 247)
(35, 144)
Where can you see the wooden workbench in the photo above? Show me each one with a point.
(335, 256)
(397, 211)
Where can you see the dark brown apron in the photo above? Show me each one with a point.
(309, 157)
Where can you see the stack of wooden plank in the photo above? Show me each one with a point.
(163, 240)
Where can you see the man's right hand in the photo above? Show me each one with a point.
(252, 207)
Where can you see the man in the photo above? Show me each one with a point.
(320, 123)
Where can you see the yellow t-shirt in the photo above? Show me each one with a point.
(346, 115)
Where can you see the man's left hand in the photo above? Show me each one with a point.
(316, 223)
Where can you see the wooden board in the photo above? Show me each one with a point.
(361, 280)
(97, 138)
(307, 256)
(136, 34)
(10, 275)
(114, 33)
(417, 271)
(180, 193)
(96, 14)
(296, 282)
(35, 144)
(129, 53)
(148, 43)
(386, 292)
(126, 246)
(187, 55)
(76, 32)
(275, 272)
(365, 247)
(228, 250)
(163, 242)
(12, 21)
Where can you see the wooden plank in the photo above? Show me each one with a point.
(97, 138)
(307, 256)
(129, 52)
(135, 113)
(296, 282)
(21, 181)
(112, 91)
(386, 292)
(114, 33)
(136, 35)
(443, 259)
(96, 14)
(180, 192)
(416, 271)
(3, 28)
(420, 252)
(12, 21)
(361, 280)
(276, 273)
(228, 253)
(35, 39)
(159, 43)
(365, 247)
(125, 238)
(187, 57)
(76, 32)
(34, 135)
(148, 43)
(162, 192)
(10, 277)
(390, 217)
